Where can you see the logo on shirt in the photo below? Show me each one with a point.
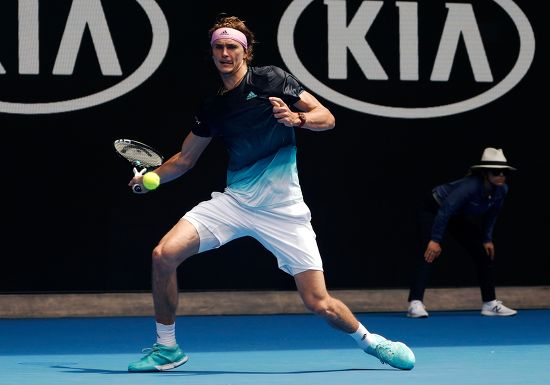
(251, 95)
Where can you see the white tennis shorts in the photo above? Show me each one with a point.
(286, 231)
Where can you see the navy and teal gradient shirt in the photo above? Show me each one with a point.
(262, 169)
(468, 196)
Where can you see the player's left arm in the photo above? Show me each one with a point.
(312, 115)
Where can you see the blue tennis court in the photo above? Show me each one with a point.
(451, 348)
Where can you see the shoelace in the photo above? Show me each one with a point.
(149, 351)
(155, 350)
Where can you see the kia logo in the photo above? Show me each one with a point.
(346, 36)
(83, 15)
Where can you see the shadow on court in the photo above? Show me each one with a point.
(72, 369)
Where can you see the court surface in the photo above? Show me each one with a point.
(451, 348)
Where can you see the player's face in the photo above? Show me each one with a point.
(228, 55)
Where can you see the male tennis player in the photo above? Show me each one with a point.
(263, 198)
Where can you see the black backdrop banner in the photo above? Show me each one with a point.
(418, 90)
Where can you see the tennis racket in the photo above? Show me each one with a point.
(141, 156)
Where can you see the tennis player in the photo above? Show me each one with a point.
(254, 112)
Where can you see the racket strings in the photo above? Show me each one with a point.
(139, 155)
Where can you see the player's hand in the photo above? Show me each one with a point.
(136, 184)
(283, 113)
(432, 251)
(490, 249)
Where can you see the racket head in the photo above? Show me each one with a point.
(137, 153)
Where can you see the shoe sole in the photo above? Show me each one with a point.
(416, 316)
(492, 314)
(160, 368)
(171, 365)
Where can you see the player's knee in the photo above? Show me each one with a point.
(318, 306)
(162, 259)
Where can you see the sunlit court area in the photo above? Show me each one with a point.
(451, 346)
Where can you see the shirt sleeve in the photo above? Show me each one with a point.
(288, 85)
(199, 126)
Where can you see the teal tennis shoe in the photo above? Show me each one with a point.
(395, 354)
(158, 359)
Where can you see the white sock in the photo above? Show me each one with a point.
(362, 337)
(166, 334)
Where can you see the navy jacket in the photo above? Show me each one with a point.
(468, 196)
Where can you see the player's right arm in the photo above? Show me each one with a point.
(183, 161)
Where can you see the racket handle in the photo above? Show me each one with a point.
(136, 188)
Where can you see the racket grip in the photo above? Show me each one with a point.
(136, 188)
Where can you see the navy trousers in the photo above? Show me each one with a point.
(467, 232)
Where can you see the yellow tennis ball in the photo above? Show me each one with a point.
(151, 180)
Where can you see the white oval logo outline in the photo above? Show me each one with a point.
(285, 40)
(159, 47)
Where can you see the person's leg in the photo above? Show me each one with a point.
(420, 280)
(178, 244)
(288, 234)
(208, 225)
(312, 289)
(181, 242)
(422, 269)
(470, 237)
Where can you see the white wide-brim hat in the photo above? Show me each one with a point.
(493, 158)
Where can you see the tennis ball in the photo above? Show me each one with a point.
(151, 180)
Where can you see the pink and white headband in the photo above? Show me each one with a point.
(229, 33)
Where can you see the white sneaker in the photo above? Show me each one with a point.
(417, 309)
(495, 307)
